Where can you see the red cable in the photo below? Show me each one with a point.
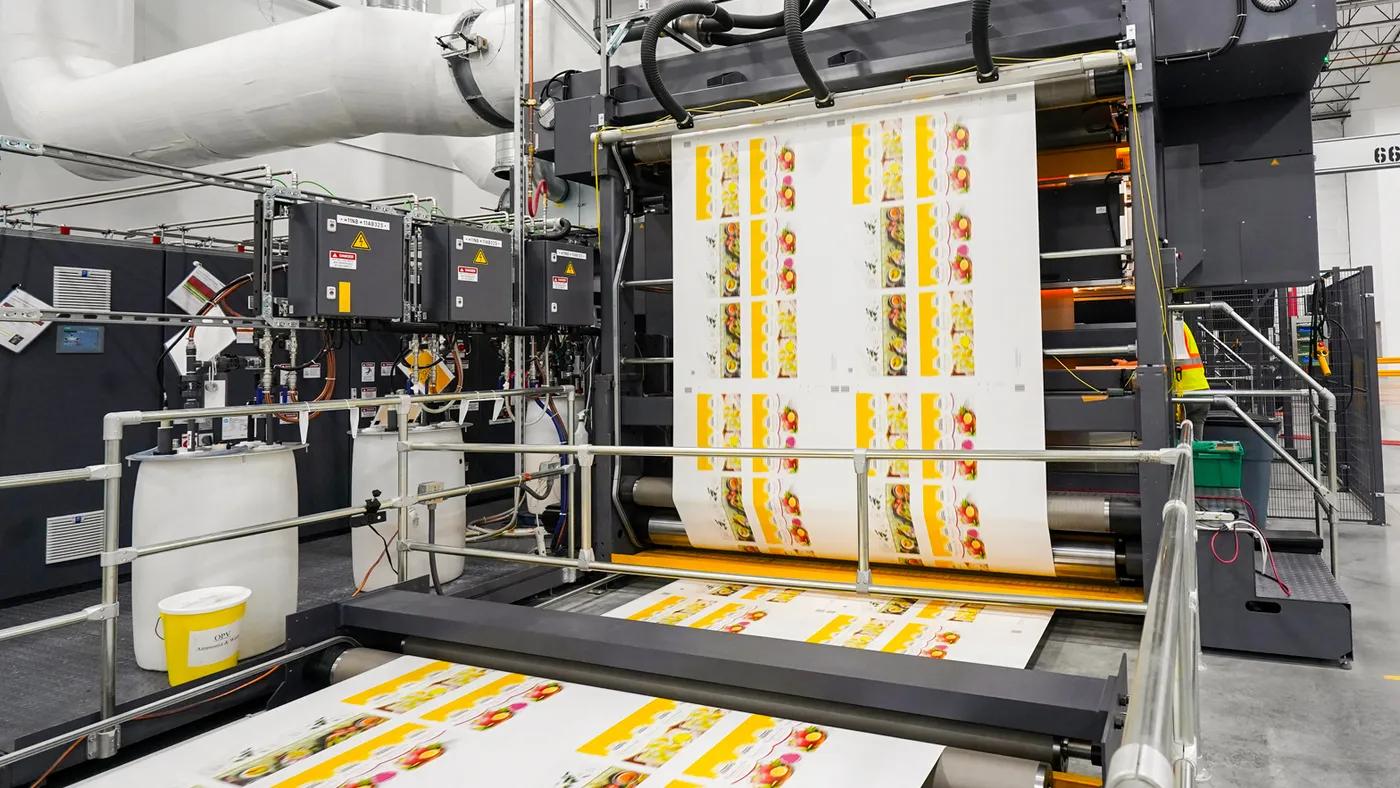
(1217, 555)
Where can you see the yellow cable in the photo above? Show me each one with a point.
(1149, 221)
(1076, 377)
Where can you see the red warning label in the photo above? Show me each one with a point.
(466, 273)
(561, 283)
(344, 260)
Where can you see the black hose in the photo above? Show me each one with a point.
(432, 557)
(797, 45)
(981, 47)
(1241, 13)
(1269, 6)
(653, 30)
(810, 11)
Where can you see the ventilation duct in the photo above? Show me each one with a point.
(332, 76)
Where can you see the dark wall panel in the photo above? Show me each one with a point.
(51, 405)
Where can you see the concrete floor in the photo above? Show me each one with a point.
(1265, 722)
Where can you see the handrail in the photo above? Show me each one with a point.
(1160, 735)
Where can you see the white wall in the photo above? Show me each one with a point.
(1370, 201)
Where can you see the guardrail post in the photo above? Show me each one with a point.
(1333, 539)
(571, 482)
(104, 743)
(1314, 418)
(585, 550)
(862, 467)
(403, 409)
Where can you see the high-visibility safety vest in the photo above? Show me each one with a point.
(1189, 374)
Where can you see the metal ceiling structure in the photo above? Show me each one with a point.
(1368, 36)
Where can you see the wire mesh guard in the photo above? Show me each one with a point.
(1341, 314)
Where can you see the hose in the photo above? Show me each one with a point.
(1267, 6)
(1241, 13)
(432, 557)
(981, 47)
(565, 227)
(797, 45)
(810, 12)
(650, 36)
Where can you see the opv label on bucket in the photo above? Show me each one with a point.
(211, 646)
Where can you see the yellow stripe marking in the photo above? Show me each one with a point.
(343, 293)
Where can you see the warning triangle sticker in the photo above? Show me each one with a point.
(570, 269)
(480, 256)
(360, 241)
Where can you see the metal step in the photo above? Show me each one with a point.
(1305, 575)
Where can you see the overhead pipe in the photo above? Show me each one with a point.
(327, 77)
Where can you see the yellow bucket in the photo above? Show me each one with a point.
(201, 631)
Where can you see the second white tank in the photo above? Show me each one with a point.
(375, 467)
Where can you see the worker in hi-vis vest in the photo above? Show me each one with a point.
(1188, 375)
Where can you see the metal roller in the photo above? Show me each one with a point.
(956, 768)
(1076, 557)
(1086, 513)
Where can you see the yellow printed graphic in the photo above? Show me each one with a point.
(936, 526)
(361, 242)
(363, 698)
(570, 270)
(758, 258)
(712, 618)
(757, 592)
(656, 608)
(932, 609)
(926, 148)
(344, 295)
(359, 754)
(758, 168)
(704, 429)
(480, 256)
(931, 417)
(835, 625)
(702, 183)
(865, 423)
(681, 784)
(708, 766)
(471, 699)
(903, 639)
(760, 429)
(623, 731)
(928, 334)
(862, 190)
(760, 340)
(926, 219)
(763, 505)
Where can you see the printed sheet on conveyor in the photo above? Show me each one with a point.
(865, 278)
(985, 634)
(419, 723)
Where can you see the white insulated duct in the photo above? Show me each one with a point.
(474, 156)
(332, 76)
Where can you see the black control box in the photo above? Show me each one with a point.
(467, 275)
(559, 284)
(345, 262)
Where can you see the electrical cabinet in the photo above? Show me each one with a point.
(345, 262)
(559, 284)
(467, 275)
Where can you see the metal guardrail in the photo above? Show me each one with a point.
(1328, 493)
(1160, 747)
(103, 735)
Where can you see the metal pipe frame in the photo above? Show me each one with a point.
(93, 613)
(128, 193)
(1051, 70)
(860, 458)
(173, 699)
(56, 477)
(624, 250)
(1102, 350)
(1160, 745)
(1070, 254)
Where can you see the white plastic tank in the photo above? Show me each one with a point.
(375, 466)
(204, 492)
(541, 429)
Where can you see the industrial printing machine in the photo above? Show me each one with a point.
(1217, 120)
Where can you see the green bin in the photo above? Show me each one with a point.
(1218, 463)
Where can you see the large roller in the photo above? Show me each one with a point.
(1082, 513)
(1076, 557)
(957, 767)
